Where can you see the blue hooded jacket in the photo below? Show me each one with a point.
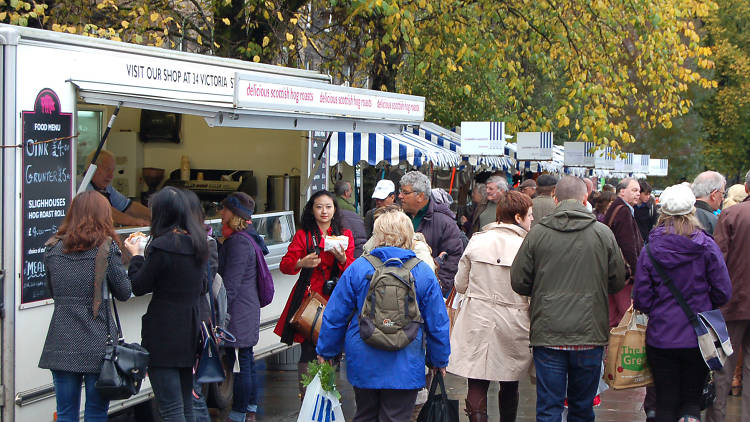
(371, 368)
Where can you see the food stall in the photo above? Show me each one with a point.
(204, 123)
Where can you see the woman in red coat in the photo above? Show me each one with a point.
(306, 253)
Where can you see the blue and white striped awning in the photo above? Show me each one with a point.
(451, 140)
(392, 148)
(533, 166)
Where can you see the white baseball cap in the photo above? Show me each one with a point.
(384, 188)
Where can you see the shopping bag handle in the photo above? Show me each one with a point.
(438, 378)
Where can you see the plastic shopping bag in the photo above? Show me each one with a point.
(626, 365)
(320, 405)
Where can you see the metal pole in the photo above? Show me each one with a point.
(92, 166)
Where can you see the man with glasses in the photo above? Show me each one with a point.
(708, 188)
(435, 221)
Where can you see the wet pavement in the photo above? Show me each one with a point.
(279, 400)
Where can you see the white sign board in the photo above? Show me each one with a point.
(483, 138)
(603, 159)
(624, 165)
(287, 94)
(536, 146)
(640, 163)
(658, 167)
(579, 154)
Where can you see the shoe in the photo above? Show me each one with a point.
(477, 413)
(250, 417)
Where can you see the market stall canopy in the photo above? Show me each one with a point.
(451, 140)
(392, 148)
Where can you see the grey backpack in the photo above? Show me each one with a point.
(390, 317)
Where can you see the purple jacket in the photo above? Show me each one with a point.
(697, 268)
(442, 234)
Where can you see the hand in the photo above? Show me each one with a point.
(464, 220)
(133, 246)
(436, 370)
(321, 360)
(339, 253)
(309, 261)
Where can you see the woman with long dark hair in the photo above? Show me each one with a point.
(173, 268)
(307, 254)
(74, 348)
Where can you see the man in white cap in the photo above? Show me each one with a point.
(384, 195)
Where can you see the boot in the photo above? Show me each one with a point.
(508, 404)
(737, 379)
(478, 411)
(301, 370)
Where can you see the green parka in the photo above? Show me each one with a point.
(568, 264)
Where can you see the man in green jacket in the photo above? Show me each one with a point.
(343, 191)
(568, 264)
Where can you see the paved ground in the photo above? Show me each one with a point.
(279, 401)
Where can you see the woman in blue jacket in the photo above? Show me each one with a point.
(386, 382)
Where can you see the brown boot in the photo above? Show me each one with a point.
(301, 370)
(477, 412)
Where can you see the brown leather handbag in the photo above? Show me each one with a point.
(309, 316)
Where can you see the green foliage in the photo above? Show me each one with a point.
(327, 374)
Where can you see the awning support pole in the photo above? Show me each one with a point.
(92, 166)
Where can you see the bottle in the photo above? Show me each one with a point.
(185, 169)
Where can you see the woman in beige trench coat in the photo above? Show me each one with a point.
(490, 339)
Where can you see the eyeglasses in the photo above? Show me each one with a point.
(403, 192)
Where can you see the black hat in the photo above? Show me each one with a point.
(240, 203)
(546, 180)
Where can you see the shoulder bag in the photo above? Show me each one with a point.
(308, 317)
(709, 326)
(264, 279)
(124, 365)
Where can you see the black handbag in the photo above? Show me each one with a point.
(124, 365)
(438, 408)
(708, 393)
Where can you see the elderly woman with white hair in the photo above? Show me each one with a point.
(386, 381)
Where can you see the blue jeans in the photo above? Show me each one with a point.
(581, 371)
(173, 389)
(245, 388)
(68, 392)
(200, 410)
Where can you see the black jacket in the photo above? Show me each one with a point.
(646, 216)
(352, 221)
(170, 327)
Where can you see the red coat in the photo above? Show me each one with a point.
(321, 273)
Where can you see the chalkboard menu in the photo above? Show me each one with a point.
(320, 178)
(46, 188)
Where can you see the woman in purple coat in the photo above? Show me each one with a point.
(694, 262)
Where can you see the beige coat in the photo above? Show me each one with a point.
(490, 339)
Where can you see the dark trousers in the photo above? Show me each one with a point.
(580, 370)
(244, 383)
(679, 375)
(384, 405)
(173, 389)
(68, 394)
(507, 396)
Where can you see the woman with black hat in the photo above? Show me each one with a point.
(238, 268)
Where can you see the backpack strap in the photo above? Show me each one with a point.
(674, 290)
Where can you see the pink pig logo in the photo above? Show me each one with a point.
(48, 104)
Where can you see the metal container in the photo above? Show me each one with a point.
(282, 194)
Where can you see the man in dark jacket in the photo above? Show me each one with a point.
(619, 218)
(708, 188)
(352, 221)
(384, 195)
(544, 202)
(645, 212)
(567, 264)
(733, 237)
(435, 221)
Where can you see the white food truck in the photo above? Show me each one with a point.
(221, 117)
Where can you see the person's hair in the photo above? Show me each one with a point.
(603, 201)
(87, 223)
(683, 225)
(624, 184)
(341, 187)
(499, 181)
(309, 225)
(608, 188)
(544, 190)
(707, 182)
(510, 204)
(196, 209)
(419, 182)
(393, 228)
(735, 195)
(170, 210)
(570, 187)
(645, 187)
(482, 189)
(99, 158)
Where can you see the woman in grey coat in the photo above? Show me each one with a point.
(78, 331)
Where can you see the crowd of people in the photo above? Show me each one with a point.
(543, 271)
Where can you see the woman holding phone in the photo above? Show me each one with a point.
(319, 268)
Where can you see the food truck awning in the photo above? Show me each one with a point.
(451, 140)
(392, 148)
